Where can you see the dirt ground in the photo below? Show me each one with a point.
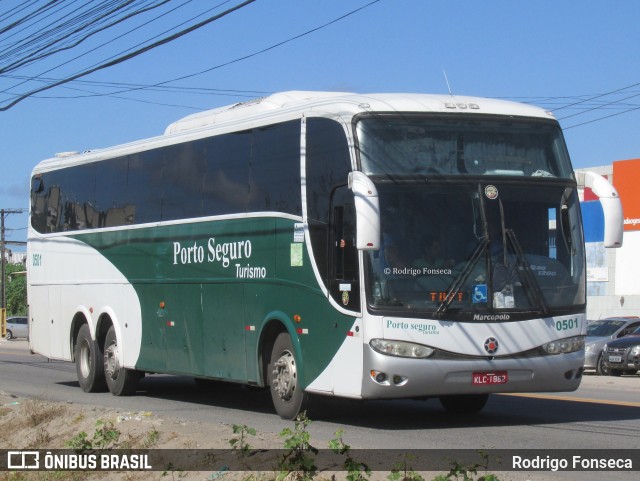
(40, 424)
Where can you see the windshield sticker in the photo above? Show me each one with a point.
(298, 232)
(480, 294)
(345, 297)
(542, 270)
(296, 255)
(491, 191)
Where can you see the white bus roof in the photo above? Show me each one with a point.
(289, 105)
(349, 103)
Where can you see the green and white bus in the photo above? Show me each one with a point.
(365, 246)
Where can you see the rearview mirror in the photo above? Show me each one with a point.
(367, 211)
(611, 206)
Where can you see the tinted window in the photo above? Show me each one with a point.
(275, 169)
(254, 170)
(327, 167)
(183, 180)
(144, 181)
(423, 144)
(226, 173)
(111, 189)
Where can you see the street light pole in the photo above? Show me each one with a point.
(3, 214)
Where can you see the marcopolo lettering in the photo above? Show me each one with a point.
(222, 253)
(491, 317)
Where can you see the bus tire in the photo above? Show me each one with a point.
(89, 366)
(288, 396)
(464, 403)
(120, 380)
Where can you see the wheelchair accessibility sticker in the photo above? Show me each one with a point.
(479, 293)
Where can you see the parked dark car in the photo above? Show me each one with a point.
(622, 356)
(601, 332)
(17, 326)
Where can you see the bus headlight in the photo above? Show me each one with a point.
(564, 346)
(401, 348)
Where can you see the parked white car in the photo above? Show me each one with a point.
(17, 326)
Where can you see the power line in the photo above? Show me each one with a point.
(128, 56)
(159, 88)
(276, 45)
(591, 98)
(46, 50)
(601, 118)
(163, 85)
(142, 10)
(245, 57)
(597, 97)
(600, 107)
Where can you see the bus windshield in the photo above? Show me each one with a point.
(477, 250)
(427, 145)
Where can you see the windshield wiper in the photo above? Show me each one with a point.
(532, 288)
(462, 277)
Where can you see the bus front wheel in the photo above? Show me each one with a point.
(88, 358)
(286, 392)
(464, 403)
(120, 380)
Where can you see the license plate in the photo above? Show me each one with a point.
(488, 378)
(615, 358)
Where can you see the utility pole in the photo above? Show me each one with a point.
(3, 214)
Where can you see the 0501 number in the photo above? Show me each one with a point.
(566, 324)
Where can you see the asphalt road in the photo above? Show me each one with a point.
(603, 414)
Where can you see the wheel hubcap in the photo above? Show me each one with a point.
(111, 361)
(85, 358)
(285, 376)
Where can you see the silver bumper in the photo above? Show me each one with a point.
(424, 377)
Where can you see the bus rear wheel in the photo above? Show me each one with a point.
(286, 392)
(464, 403)
(89, 362)
(120, 380)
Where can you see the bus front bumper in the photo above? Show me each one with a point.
(387, 377)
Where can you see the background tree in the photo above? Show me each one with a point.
(16, 290)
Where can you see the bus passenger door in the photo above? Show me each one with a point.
(344, 288)
(344, 285)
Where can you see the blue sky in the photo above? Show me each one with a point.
(553, 54)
